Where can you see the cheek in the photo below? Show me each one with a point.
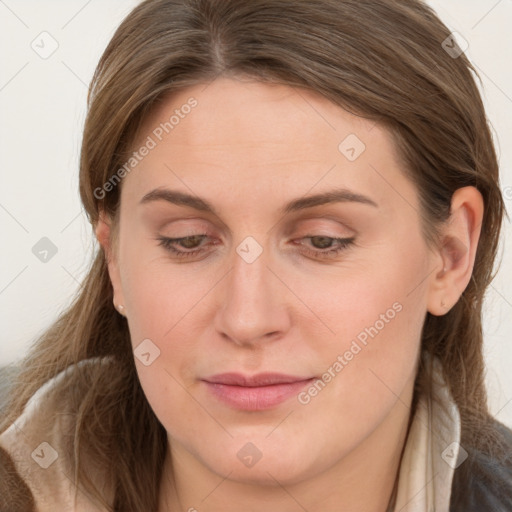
(165, 304)
(158, 293)
(375, 314)
(171, 401)
(381, 297)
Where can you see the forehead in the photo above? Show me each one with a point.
(255, 137)
(235, 111)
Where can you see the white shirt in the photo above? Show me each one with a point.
(430, 456)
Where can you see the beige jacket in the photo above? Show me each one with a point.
(431, 454)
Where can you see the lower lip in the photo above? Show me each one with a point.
(256, 398)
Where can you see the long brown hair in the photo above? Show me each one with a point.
(381, 59)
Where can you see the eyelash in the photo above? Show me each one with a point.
(344, 244)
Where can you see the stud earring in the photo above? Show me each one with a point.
(120, 309)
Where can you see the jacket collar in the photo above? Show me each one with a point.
(432, 451)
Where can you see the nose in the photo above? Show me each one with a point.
(254, 303)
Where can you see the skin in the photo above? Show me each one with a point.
(248, 148)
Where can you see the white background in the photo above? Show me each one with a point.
(42, 110)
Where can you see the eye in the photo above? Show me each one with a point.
(188, 242)
(324, 246)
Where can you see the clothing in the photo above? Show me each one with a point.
(36, 442)
(431, 453)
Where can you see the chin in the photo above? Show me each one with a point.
(259, 459)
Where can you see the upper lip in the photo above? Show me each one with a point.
(260, 379)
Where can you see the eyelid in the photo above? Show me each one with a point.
(326, 254)
(292, 227)
(320, 222)
(290, 224)
(289, 231)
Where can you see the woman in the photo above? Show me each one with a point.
(298, 210)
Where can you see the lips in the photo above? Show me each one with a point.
(256, 392)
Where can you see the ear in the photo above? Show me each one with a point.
(456, 254)
(105, 235)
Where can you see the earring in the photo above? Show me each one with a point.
(443, 305)
(120, 309)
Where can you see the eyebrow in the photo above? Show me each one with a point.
(340, 195)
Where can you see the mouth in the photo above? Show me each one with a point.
(255, 393)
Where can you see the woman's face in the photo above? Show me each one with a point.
(260, 182)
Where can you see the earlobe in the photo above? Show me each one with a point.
(457, 250)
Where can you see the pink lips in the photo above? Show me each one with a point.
(257, 392)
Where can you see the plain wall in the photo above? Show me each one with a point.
(42, 110)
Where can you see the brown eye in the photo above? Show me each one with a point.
(192, 243)
(319, 246)
(322, 242)
(325, 246)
